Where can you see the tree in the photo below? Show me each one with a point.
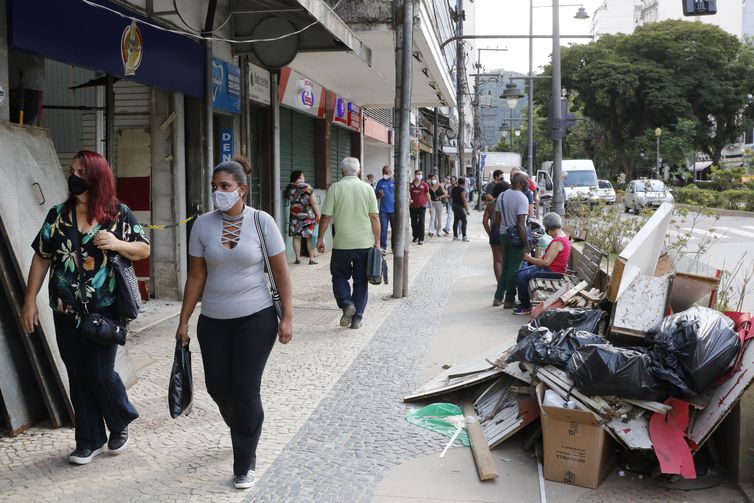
(672, 75)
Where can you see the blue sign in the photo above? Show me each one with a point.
(76, 33)
(226, 86)
(226, 144)
(482, 161)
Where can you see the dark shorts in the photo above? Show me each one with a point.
(495, 235)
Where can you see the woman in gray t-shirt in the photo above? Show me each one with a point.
(238, 324)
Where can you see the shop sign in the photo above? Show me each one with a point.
(301, 93)
(110, 43)
(226, 86)
(346, 113)
(259, 84)
(226, 144)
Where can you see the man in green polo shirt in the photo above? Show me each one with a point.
(352, 206)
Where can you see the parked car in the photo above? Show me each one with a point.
(646, 193)
(606, 191)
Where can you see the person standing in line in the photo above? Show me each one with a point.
(449, 205)
(530, 192)
(238, 323)
(460, 209)
(352, 205)
(493, 231)
(512, 212)
(497, 177)
(370, 180)
(385, 192)
(82, 276)
(304, 214)
(470, 187)
(419, 194)
(437, 196)
(551, 266)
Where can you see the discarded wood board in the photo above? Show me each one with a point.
(689, 289)
(632, 433)
(470, 372)
(641, 253)
(503, 411)
(485, 465)
(723, 399)
(643, 305)
(552, 302)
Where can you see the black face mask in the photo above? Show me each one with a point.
(77, 185)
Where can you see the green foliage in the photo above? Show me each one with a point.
(735, 199)
(604, 226)
(693, 80)
(727, 178)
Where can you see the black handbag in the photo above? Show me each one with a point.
(273, 287)
(181, 387)
(127, 295)
(94, 326)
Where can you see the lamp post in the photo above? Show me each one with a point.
(658, 133)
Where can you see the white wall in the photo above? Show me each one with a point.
(729, 15)
(375, 157)
(614, 16)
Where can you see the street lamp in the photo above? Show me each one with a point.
(658, 133)
(512, 94)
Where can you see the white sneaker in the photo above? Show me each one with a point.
(245, 481)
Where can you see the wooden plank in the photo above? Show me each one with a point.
(573, 292)
(477, 368)
(485, 465)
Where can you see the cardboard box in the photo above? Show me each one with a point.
(577, 449)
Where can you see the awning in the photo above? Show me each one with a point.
(453, 152)
(326, 31)
(700, 165)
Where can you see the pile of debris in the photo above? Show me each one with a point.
(646, 373)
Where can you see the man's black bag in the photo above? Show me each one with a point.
(181, 388)
(376, 267)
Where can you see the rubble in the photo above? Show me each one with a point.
(660, 397)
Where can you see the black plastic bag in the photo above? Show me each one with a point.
(560, 319)
(544, 347)
(693, 348)
(181, 388)
(602, 369)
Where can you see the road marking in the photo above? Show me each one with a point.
(704, 233)
(731, 230)
(681, 236)
(748, 226)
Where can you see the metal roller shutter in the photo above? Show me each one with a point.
(286, 146)
(296, 146)
(340, 149)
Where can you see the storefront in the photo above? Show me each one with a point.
(345, 139)
(378, 147)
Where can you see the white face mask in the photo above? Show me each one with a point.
(433, 182)
(224, 201)
(386, 177)
(419, 177)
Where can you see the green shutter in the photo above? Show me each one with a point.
(304, 155)
(340, 149)
(286, 146)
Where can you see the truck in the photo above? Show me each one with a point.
(580, 182)
(490, 161)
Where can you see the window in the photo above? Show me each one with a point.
(650, 186)
(604, 184)
(581, 179)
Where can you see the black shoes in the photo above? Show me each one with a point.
(84, 456)
(356, 322)
(348, 312)
(118, 441)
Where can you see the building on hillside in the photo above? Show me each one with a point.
(496, 119)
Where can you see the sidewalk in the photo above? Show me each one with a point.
(334, 428)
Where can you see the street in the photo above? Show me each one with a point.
(334, 428)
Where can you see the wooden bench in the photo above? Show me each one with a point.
(586, 269)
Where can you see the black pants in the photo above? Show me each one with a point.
(97, 391)
(234, 353)
(417, 223)
(459, 216)
(346, 265)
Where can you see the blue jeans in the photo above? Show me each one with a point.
(527, 273)
(345, 264)
(386, 218)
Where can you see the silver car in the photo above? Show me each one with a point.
(646, 193)
(606, 191)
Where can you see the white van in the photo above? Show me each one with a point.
(580, 182)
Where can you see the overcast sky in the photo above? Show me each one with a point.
(511, 17)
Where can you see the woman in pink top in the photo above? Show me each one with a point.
(551, 266)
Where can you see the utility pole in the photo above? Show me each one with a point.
(530, 101)
(475, 141)
(403, 16)
(555, 112)
(460, 80)
(209, 133)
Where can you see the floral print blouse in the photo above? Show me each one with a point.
(54, 243)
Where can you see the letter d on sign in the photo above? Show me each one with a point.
(226, 144)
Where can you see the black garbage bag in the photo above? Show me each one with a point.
(693, 348)
(544, 347)
(181, 387)
(603, 369)
(585, 320)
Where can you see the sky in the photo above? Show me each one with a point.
(511, 17)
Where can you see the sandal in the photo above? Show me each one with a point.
(297, 261)
(312, 262)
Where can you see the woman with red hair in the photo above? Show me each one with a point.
(82, 277)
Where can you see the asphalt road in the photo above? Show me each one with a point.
(726, 241)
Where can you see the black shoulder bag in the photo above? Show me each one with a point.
(127, 295)
(94, 326)
(273, 287)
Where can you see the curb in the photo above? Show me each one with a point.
(720, 211)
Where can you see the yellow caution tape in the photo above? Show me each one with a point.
(163, 227)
